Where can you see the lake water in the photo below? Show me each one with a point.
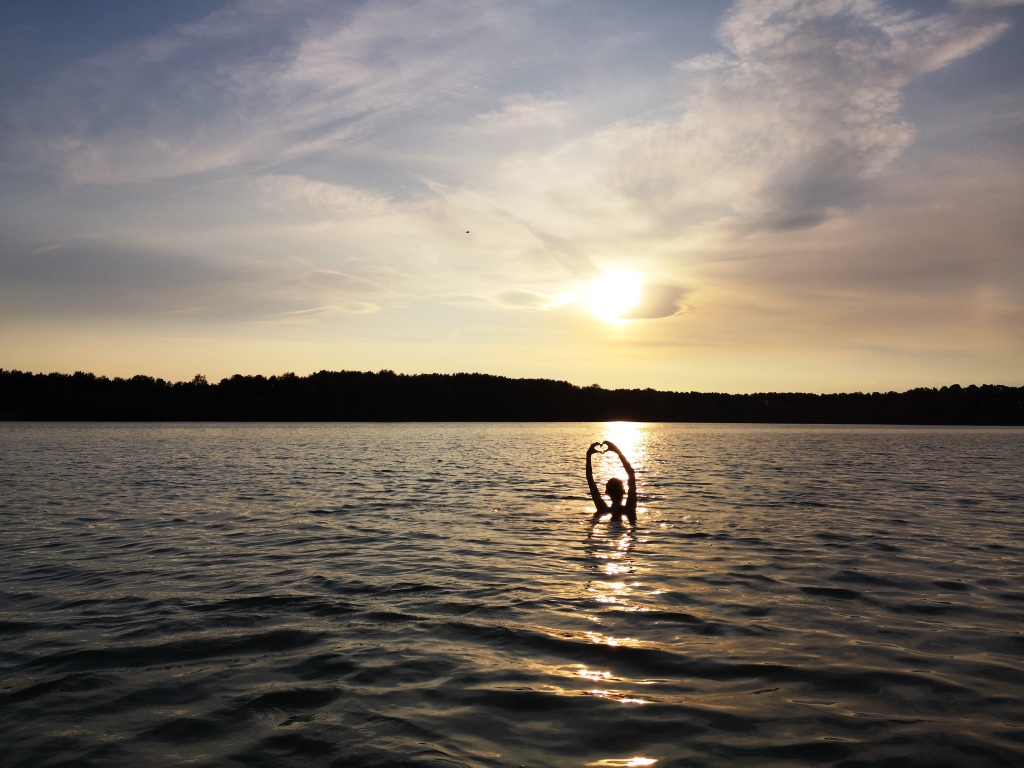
(435, 595)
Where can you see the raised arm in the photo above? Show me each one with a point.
(631, 493)
(595, 494)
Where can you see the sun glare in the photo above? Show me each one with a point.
(612, 294)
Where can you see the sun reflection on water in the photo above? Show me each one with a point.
(599, 638)
(593, 674)
(615, 587)
(613, 566)
(631, 437)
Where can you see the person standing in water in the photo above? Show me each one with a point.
(613, 488)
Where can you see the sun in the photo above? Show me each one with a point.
(612, 294)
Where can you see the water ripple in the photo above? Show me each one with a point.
(435, 595)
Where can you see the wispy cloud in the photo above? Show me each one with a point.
(252, 85)
(657, 302)
(523, 299)
(334, 199)
(984, 4)
(521, 112)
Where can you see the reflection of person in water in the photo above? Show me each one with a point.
(613, 488)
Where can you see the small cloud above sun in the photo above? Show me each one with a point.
(611, 295)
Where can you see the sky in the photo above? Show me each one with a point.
(689, 195)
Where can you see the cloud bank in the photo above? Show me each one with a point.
(792, 122)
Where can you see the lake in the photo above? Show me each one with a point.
(437, 595)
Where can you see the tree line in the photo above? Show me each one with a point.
(387, 396)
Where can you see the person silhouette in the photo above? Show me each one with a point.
(614, 488)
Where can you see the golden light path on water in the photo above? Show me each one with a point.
(617, 566)
(614, 583)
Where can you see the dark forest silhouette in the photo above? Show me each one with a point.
(387, 396)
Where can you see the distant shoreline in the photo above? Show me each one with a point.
(475, 397)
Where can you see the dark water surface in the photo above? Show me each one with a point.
(413, 594)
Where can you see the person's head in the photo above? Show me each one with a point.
(615, 490)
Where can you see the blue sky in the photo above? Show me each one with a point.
(795, 195)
